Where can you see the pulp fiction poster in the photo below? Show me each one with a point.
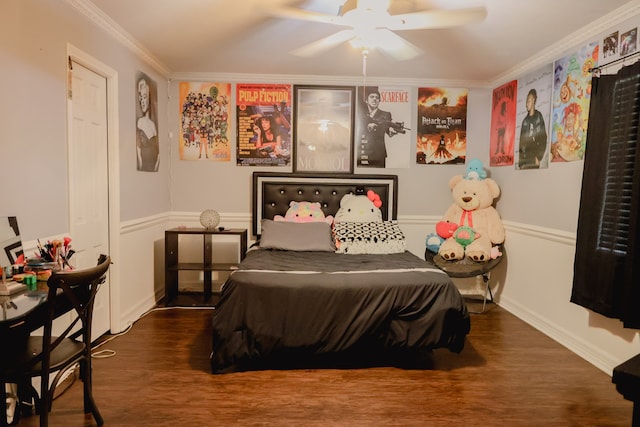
(263, 114)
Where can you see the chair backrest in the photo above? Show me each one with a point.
(74, 290)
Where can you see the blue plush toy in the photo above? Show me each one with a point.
(433, 242)
(475, 170)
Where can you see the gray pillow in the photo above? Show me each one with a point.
(296, 236)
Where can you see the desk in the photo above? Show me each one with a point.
(20, 309)
(24, 312)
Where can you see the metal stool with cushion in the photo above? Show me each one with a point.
(466, 268)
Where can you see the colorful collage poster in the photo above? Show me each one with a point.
(533, 115)
(382, 140)
(204, 121)
(503, 115)
(571, 96)
(263, 113)
(442, 126)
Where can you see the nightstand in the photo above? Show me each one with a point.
(207, 265)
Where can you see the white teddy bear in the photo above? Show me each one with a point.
(473, 207)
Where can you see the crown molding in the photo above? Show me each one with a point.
(99, 18)
(560, 48)
(324, 80)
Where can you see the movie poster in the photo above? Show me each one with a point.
(610, 44)
(204, 118)
(382, 140)
(628, 42)
(533, 115)
(263, 113)
(503, 118)
(571, 96)
(442, 126)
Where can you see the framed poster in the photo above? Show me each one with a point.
(263, 123)
(323, 128)
(442, 126)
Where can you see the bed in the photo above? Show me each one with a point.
(281, 307)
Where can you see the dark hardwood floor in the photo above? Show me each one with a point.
(507, 375)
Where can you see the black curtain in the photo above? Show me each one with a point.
(607, 260)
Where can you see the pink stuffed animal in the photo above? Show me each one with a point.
(304, 212)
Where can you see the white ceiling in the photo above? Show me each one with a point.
(238, 36)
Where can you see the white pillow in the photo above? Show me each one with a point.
(369, 238)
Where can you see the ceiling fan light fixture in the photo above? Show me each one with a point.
(369, 25)
(365, 39)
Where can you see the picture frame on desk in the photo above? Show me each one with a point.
(323, 128)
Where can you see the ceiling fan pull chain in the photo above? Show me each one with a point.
(365, 52)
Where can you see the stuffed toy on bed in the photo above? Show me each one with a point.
(359, 208)
(472, 208)
(360, 229)
(304, 212)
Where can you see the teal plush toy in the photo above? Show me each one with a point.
(475, 170)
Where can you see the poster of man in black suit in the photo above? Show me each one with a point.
(375, 126)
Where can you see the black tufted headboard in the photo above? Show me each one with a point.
(273, 191)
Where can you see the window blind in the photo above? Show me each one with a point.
(613, 234)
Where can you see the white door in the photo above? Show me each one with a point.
(89, 180)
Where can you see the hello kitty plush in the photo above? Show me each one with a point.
(360, 208)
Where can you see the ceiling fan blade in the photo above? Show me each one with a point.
(323, 44)
(302, 15)
(436, 19)
(395, 46)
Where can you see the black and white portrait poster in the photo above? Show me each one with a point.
(147, 144)
(383, 138)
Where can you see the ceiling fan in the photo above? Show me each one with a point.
(370, 25)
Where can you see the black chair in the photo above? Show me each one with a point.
(74, 291)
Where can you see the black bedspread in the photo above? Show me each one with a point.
(317, 303)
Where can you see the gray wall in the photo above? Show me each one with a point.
(35, 34)
(33, 121)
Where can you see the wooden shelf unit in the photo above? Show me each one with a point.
(207, 266)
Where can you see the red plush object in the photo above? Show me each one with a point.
(445, 229)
